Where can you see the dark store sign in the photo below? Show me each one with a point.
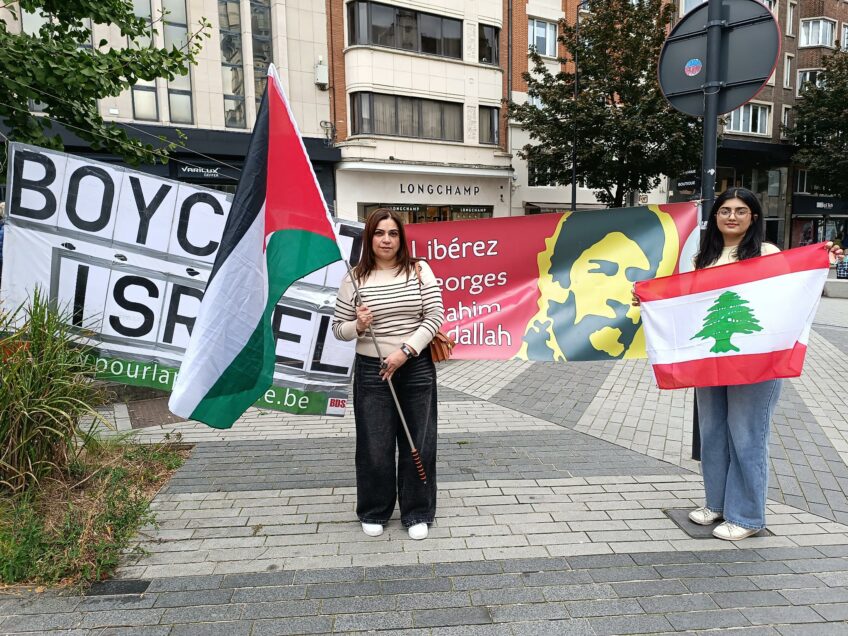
(688, 182)
(805, 204)
(440, 188)
(196, 172)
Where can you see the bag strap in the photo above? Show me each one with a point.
(420, 285)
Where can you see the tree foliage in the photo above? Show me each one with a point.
(65, 73)
(821, 126)
(626, 133)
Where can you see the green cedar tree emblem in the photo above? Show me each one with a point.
(729, 315)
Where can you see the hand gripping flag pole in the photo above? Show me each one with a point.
(416, 458)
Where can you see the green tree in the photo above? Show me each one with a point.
(59, 69)
(729, 315)
(626, 133)
(821, 126)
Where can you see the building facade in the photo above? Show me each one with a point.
(215, 105)
(416, 101)
(754, 152)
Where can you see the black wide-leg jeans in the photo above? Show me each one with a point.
(379, 432)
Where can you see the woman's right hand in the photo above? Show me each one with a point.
(363, 318)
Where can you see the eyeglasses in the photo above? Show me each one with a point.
(739, 213)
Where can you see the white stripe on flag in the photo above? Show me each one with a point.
(232, 307)
(783, 305)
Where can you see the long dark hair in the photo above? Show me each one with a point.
(713, 242)
(368, 261)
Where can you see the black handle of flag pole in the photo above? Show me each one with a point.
(416, 458)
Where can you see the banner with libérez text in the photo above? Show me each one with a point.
(553, 286)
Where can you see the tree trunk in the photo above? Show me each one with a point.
(619, 197)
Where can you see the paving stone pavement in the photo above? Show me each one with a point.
(554, 482)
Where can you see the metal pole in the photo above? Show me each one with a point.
(712, 87)
(416, 458)
(574, 123)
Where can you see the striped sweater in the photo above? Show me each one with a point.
(397, 304)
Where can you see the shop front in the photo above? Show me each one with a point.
(421, 194)
(818, 218)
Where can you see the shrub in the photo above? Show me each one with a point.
(46, 389)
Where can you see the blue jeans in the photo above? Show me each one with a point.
(379, 431)
(735, 422)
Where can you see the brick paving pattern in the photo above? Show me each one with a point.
(555, 482)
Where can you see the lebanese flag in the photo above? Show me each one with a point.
(733, 324)
(278, 231)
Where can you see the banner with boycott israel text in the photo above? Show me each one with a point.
(553, 286)
(128, 255)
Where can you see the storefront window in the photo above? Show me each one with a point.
(422, 213)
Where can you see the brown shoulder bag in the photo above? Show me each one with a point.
(441, 346)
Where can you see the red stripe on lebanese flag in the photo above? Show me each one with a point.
(738, 369)
(796, 260)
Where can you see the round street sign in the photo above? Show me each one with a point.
(750, 47)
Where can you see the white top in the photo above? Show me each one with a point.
(404, 311)
(728, 254)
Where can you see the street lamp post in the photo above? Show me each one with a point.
(580, 5)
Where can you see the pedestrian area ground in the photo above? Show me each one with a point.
(558, 485)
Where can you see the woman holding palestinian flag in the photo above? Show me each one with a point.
(734, 413)
(391, 304)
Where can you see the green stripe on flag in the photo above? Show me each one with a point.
(291, 255)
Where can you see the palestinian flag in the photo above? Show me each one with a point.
(278, 231)
(734, 324)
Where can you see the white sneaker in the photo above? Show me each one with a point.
(731, 532)
(418, 531)
(372, 529)
(704, 516)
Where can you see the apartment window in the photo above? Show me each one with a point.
(750, 118)
(379, 114)
(31, 23)
(843, 42)
(488, 41)
(785, 120)
(538, 176)
(145, 104)
(489, 123)
(536, 101)
(542, 36)
(805, 77)
(791, 12)
(787, 70)
(263, 55)
(817, 32)
(398, 28)
(232, 63)
(144, 99)
(804, 182)
(176, 35)
(771, 4)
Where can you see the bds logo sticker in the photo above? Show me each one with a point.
(336, 406)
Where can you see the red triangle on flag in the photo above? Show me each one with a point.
(293, 200)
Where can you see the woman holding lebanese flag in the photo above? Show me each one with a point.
(734, 416)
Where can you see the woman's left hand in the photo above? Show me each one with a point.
(835, 252)
(392, 362)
